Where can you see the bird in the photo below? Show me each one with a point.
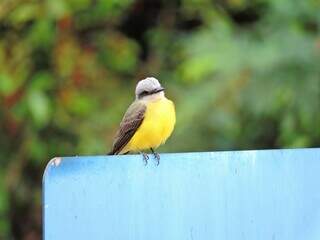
(147, 123)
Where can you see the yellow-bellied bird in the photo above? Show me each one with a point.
(147, 123)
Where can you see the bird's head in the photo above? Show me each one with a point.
(149, 88)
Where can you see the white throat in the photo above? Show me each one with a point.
(154, 97)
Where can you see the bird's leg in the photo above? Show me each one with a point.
(156, 156)
(145, 157)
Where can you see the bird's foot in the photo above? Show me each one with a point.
(156, 156)
(145, 158)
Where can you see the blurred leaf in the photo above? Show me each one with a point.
(4, 206)
(57, 9)
(197, 68)
(24, 12)
(42, 33)
(7, 85)
(38, 149)
(119, 53)
(81, 104)
(76, 5)
(42, 81)
(39, 107)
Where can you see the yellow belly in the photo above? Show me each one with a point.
(156, 127)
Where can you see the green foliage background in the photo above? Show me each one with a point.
(243, 74)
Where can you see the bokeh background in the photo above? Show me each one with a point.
(243, 74)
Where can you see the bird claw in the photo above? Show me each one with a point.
(145, 158)
(157, 157)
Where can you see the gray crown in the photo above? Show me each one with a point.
(148, 84)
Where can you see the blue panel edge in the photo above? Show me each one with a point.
(57, 160)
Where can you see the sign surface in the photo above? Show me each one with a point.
(239, 195)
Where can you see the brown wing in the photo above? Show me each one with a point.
(128, 126)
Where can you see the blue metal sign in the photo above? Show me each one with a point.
(240, 195)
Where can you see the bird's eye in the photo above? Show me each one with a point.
(144, 93)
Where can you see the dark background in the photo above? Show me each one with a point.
(243, 74)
